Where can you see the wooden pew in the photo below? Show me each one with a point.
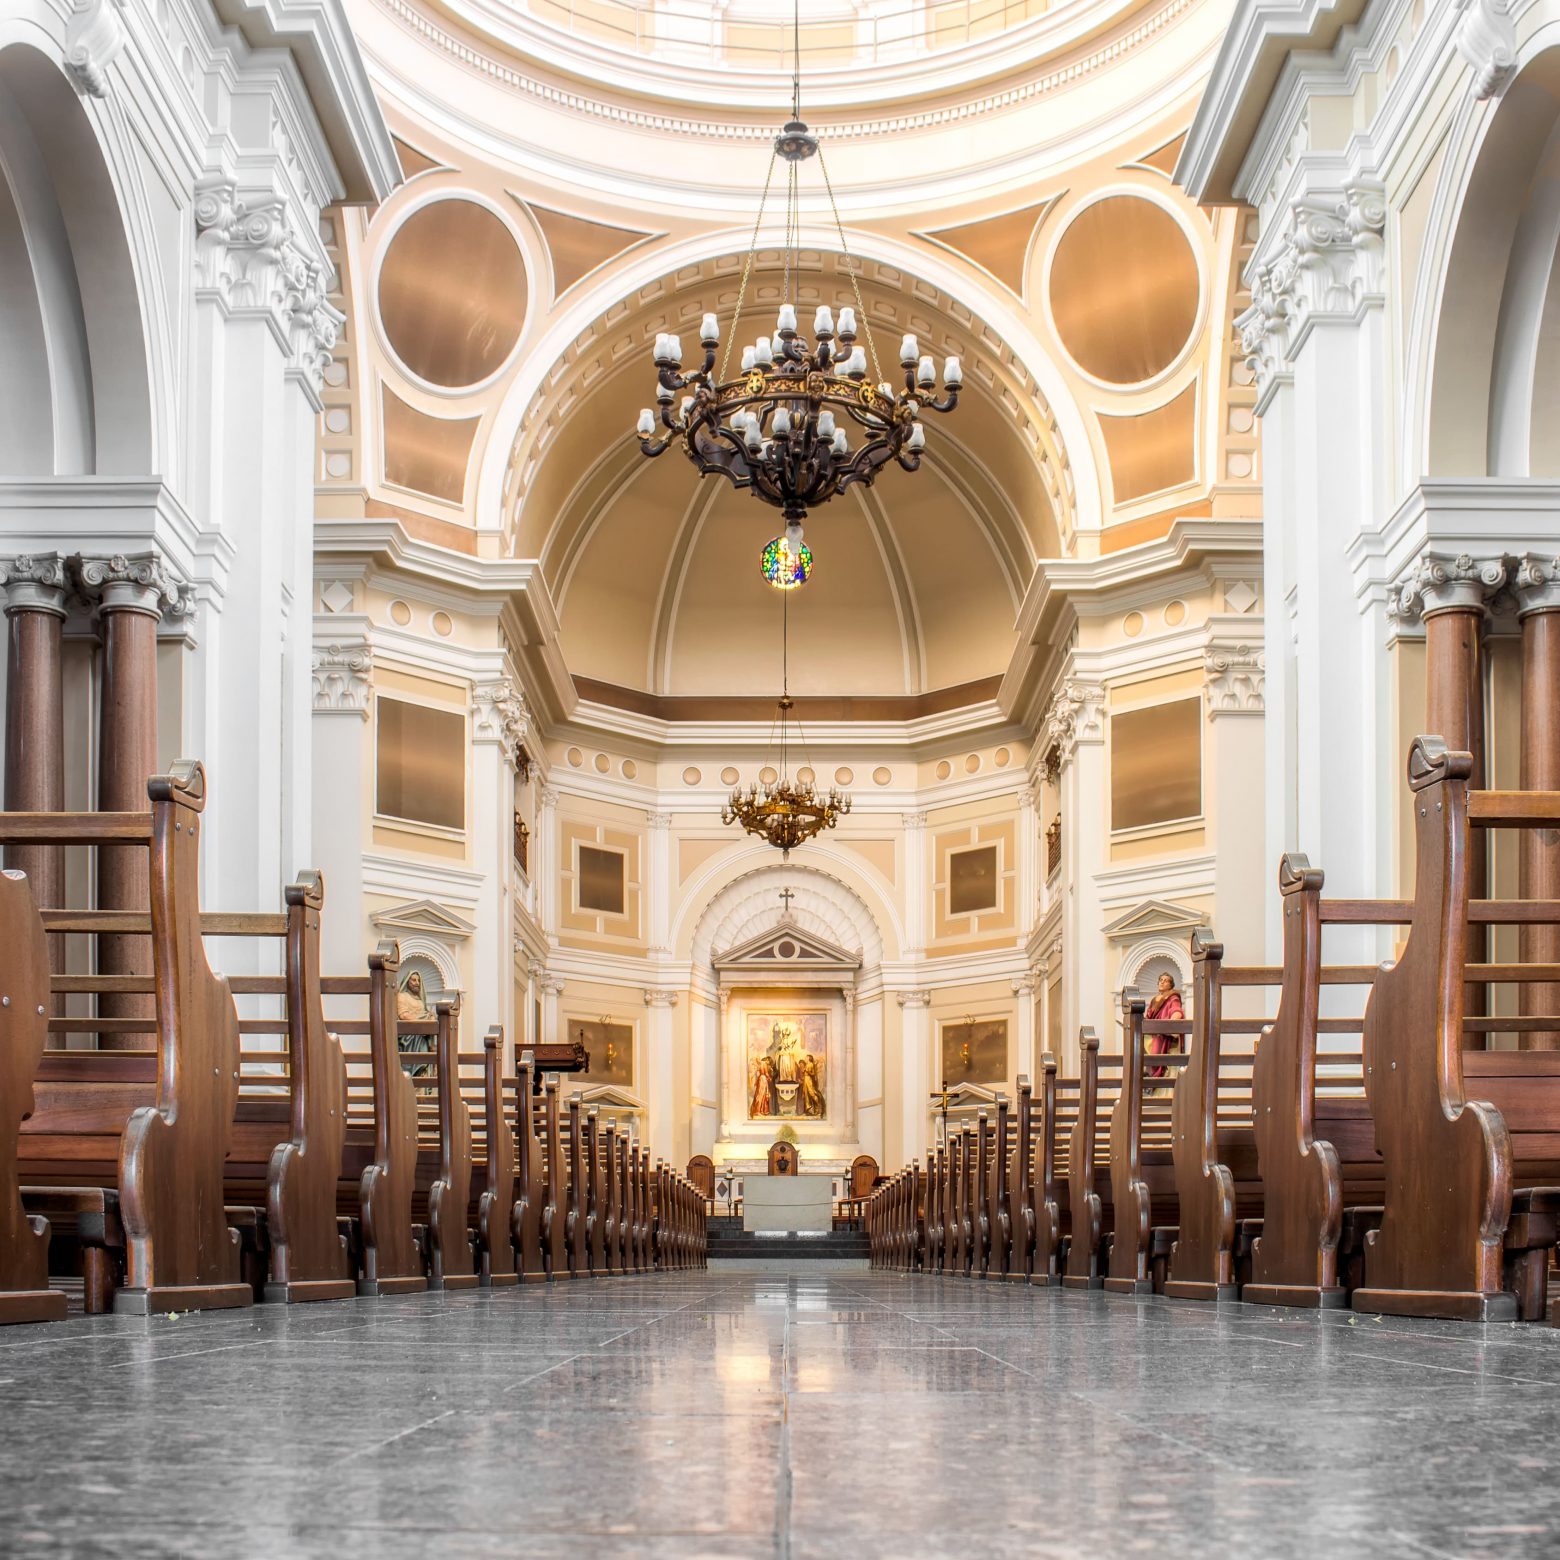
(1084, 1268)
(168, 1155)
(498, 1224)
(1046, 1195)
(578, 1224)
(449, 1198)
(25, 1295)
(1021, 1201)
(1131, 1202)
(999, 1216)
(1459, 1235)
(554, 1231)
(611, 1260)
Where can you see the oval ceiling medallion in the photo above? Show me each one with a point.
(452, 293)
(1124, 289)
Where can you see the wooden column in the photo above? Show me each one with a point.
(1453, 593)
(1538, 607)
(131, 595)
(35, 714)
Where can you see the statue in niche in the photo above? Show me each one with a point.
(411, 1007)
(1165, 1004)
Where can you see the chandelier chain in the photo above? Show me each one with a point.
(850, 264)
(747, 263)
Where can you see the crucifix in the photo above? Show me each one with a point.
(787, 895)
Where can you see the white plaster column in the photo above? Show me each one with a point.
(551, 988)
(659, 866)
(849, 1131)
(1314, 337)
(1024, 989)
(1243, 875)
(340, 791)
(724, 1122)
(546, 863)
(660, 1081)
(499, 726)
(262, 335)
(915, 1073)
(1031, 862)
(917, 905)
(1075, 727)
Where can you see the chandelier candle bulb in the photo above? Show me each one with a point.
(841, 448)
(709, 329)
(763, 353)
(847, 322)
(926, 374)
(917, 439)
(787, 320)
(782, 422)
(909, 350)
(646, 423)
(747, 360)
(676, 348)
(825, 425)
(823, 321)
(953, 373)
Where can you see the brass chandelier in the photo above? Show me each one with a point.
(782, 427)
(783, 811)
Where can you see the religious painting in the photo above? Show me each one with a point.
(787, 1060)
(975, 1051)
(611, 1050)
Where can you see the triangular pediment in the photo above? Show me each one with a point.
(424, 916)
(786, 947)
(968, 1100)
(608, 1096)
(1156, 918)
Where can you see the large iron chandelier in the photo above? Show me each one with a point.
(782, 427)
(783, 811)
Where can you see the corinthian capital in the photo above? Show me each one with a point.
(132, 582)
(1074, 718)
(1237, 680)
(501, 715)
(1537, 584)
(1442, 582)
(343, 679)
(34, 582)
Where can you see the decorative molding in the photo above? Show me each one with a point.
(1442, 582)
(94, 36)
(501, 716)
(34, 582)
(657, 998)
(1330, 261)
(913, 999)
(422, 917)
(1536, 584)
(1075, 718)
(1236, 680)
(1153, 918)
(343, 679)
(1486, 37)
(247, 257)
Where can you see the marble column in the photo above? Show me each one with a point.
(915, 1072)
(130, 593)
(659, 1085)
(34, 713)
(1538, 607)
(1452, 594)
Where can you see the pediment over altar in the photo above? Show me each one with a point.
(786, 955)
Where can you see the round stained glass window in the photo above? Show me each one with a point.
(784, 569)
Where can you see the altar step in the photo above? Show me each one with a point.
(739, 1245)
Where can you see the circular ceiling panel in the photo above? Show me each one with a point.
(452, 293)
(1124, 289)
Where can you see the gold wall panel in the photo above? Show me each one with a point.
(1153, 451)
(452, 293)
(975, 1052)
(426, 454)
(1124, 289)
(420, 763)
(577, 245)
(1156, 764)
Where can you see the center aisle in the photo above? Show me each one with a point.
(812, 1415)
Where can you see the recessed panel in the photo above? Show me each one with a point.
(975, 1052)
(420, 764)
(1124, 289)
(972, 881)
(452, 293)
(601, 880)
(1156, 764)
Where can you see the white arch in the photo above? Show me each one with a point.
(1143, 953)
(640, 270)
(747, 904)
(415, 945)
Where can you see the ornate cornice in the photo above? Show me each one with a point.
(1329, 262)
(501, 716)
(1236, 679)
(248, 258)
(343, 679)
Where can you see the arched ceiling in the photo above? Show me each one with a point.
(655, 570)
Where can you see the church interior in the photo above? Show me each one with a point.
(985, 1069)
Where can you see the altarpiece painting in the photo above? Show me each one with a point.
(787, 1066)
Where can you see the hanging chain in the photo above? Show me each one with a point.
(855, 281)
(747, 264)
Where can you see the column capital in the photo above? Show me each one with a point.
(1026, 984)
(1446, 582)
(1236, 679)
(913, 820)
(343, 679)
(659, 820)
(501, 716)
(550, 984)
(1536, 584)
(655, 997)
(547, 795)
(132, 582)
(34, 582)
(913, 999)
(1074, 719)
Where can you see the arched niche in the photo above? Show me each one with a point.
(75, 393)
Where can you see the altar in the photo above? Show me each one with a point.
(773, 1203)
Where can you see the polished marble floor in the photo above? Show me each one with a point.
(815, 1415)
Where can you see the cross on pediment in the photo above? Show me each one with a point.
(786, 896)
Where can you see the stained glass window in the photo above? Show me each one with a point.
(784, 569)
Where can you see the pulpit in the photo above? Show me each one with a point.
(783, 1159)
